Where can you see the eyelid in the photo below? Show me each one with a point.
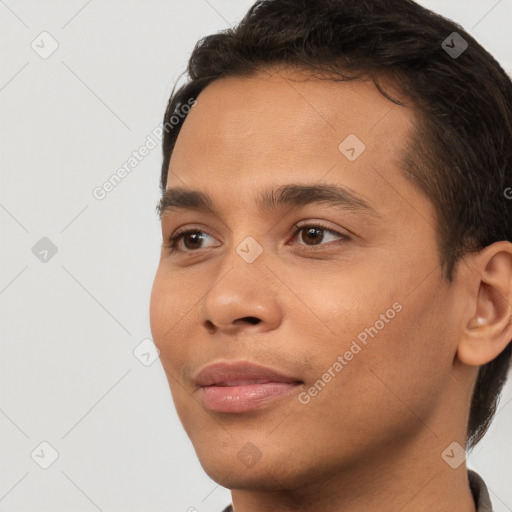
(320, 224)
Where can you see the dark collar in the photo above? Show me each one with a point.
(480, 492)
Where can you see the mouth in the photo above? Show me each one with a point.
(243, 386)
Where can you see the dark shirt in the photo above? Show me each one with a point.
(478, 489)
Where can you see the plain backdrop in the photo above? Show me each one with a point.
(82, 86)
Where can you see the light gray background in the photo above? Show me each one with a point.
(69, 326)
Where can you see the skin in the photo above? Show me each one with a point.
(373, 438)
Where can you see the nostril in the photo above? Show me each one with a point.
(210, 326)
(251, 319)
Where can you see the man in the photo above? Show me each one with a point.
(333, 300)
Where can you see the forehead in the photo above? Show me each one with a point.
(282, 126)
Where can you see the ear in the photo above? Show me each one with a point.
(487, 328)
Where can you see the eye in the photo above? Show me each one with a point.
(316, 233)
(192, 239)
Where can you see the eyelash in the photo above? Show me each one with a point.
(173, 240)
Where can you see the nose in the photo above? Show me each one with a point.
(245, 298)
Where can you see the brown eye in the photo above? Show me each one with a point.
(191, 239)
(315, 234)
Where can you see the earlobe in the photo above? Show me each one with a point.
(488, 328)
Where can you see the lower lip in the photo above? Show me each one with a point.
(243, 398)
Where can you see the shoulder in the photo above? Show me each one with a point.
(480, 492)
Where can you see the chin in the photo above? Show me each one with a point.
(230, 474)
(235, 463)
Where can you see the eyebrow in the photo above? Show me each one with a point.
(270, 199)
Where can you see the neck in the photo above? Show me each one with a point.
(405, 480)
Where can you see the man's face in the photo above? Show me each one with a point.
(359, 318)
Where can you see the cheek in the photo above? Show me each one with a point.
(387, 388)
(168, 312)
(391, 339)
(408, 363)
(159, 309)
(341, 300)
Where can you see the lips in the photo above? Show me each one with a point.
(232, 374)
(242, 386)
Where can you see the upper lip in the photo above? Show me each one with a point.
(239, 373)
